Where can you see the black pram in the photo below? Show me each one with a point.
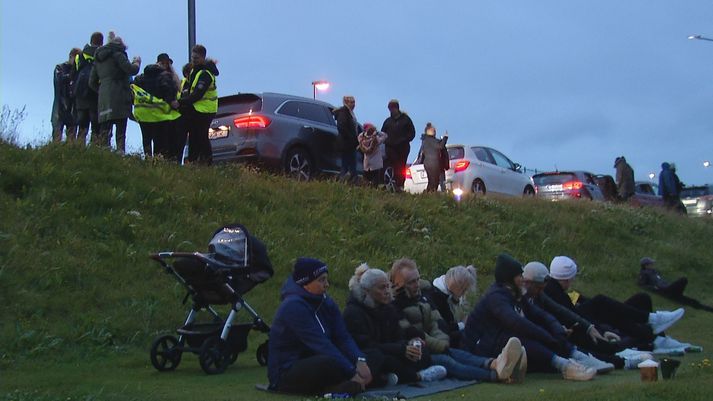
(236, 263)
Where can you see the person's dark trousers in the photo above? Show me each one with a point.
(178, 139)
(442, 181)
(348, 165)
(199, 148)
(85, 118)
(434, 178)
(148, 133)
(630, 320)
(374, 177)
(156, 138)
(675, 289)
(312, 376)
(105, 134)
(397, 157)
(602, 350)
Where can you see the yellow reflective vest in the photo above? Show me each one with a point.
(151, 109)
(209, 102)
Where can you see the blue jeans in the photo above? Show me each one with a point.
(348, 165)
(463, 365)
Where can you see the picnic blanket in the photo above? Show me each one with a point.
(403, 391)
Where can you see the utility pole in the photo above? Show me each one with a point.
(191, 27)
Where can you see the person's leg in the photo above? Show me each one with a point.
(641, 301)
(104, 138)
(629, 320)
(406, 370)
(198, 127)
(94, 121)
(121, 135)
(147, 138)
(163, 139)
(442, 181)
(465, 366)
(352, 166)
(345, 164)
(402, 160)
(311, 376)
(179, 137)
(539, 357)
(433, 174)
(83, 126)
(676, 288)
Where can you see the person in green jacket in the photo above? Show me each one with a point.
(111, 78)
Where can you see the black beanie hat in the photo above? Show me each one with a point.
(307, 270)
(506, 268)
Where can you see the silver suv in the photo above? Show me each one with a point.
(698, 200)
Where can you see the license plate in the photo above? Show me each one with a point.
(219, 132)
(557, 187)
(424, 176)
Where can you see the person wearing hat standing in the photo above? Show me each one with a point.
(634, 318)
(154, 91)
(110, 78)
(310, 349)
(371, 146)
(624, 178)
(502, 313)
(400, 129)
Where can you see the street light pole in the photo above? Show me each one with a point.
(699, 37)
(191, 27)
(319, 85)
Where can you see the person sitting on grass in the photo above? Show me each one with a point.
(634, 318)
(420, 315)
(448, 294)
(502, 313)
(374, 323)
(310, 349)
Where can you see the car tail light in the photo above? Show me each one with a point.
(251, 122)
(571, 185)
(407, 173)
(461, 165)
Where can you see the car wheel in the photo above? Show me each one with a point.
(478, 187)
(389, 179)
(299, 165)
(529, 191)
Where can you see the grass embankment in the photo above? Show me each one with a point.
(80, 301)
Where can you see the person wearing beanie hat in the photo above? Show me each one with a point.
(633, 318)
(502, 314)
(310, 350)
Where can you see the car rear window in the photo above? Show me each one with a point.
(456, 153)
(553, 179)
(239, 104)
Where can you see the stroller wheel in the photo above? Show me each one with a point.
(214, 357)
(261, 354)
(165, 353)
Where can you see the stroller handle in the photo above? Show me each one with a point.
(161, 256)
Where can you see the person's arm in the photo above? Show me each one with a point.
(122, 61)
(436, 339)
(410, 129)
(545, 320)
(94, 80)
(566, 316)
(501, 308)
(344, 123)
(169, 90)
(204, 82)
(381, 137)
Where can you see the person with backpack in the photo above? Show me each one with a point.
(85, 98)
(371, 144)
(63, 119)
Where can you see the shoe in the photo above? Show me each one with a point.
(589, 361)
(662, 320)
(575, 371)
(634, 361)
(432, 373)
(392, 379)
(508, 358)
(518, 373)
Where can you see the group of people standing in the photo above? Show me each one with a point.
(398, 328)
(669, 188)
(98, 85)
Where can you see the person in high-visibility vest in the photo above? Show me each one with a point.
(198, 106)
(154, 91)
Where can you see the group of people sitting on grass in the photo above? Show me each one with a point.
(397, 328)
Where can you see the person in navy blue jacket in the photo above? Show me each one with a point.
(502, 313)
(310, 350)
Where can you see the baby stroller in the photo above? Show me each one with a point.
(236, 263)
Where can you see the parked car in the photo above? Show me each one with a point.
(608, 187)
(645, 194)
(287, 133)
(562, 185)
(475, 170)
(698, 200)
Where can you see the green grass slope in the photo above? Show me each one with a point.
(80, 301)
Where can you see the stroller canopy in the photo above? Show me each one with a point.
(233, 245)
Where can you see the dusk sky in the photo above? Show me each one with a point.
(568, 84)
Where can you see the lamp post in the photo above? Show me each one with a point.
(699, 37)
(191, 27)
(651, 176)
(319, 86)
(706, 164)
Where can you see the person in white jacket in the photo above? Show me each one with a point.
(371, 144)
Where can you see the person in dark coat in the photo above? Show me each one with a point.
(110, 78)
(624, 178)
(502, 313)
(310, 350)
(86, 99)
(399, 127)
(670, 188)
(633, 318)
(63, 118)
(651, 279)
(431, 156)
(374, 323)
(347, 126)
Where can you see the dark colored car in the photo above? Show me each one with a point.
(561, 185)
(608, 187)
(698, 200)
(287, 133)
(645, 195)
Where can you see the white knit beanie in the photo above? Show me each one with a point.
(563, 268)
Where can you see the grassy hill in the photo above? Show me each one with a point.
(80, 301)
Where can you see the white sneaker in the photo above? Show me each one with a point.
(589, 361)
(575, 371)
(634, 361)
(662, 320)
(508, 358)
(668, 342)
(432, 373)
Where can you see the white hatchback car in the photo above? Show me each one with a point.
(476, 170)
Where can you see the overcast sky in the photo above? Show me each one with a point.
(551, 83)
